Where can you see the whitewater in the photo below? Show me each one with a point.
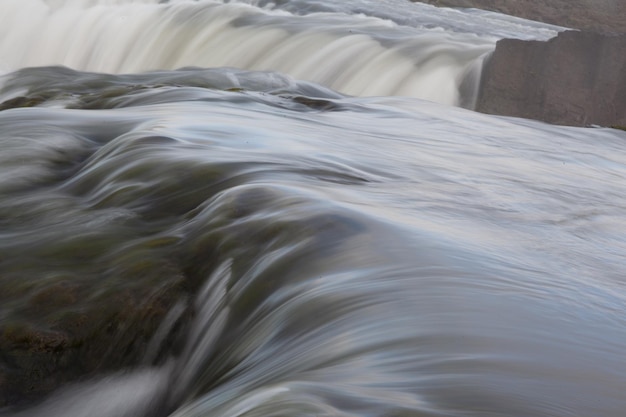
(289, 208)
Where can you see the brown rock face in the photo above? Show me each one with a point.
(577, 78)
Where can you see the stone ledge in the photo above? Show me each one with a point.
(576, 78)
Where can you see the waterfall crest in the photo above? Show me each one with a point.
(362, 56)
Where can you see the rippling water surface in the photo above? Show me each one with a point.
(254, 243)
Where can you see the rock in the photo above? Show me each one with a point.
(67, 321)
(603, 16)
(37, 357)
(577, 78)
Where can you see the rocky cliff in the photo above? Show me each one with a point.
(577, 78)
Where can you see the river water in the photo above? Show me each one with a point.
(337, 233)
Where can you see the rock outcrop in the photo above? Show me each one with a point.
(576, 78)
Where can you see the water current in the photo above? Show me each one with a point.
(254, 208)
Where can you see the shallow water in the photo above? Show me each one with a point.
(317, 254)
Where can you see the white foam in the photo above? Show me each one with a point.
(356, 55)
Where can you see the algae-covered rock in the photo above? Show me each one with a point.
(22, 101)
(68, 331)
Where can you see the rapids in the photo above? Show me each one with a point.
(298, 219)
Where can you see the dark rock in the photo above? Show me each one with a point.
(58, 328)
(39, 356)
(577, 78)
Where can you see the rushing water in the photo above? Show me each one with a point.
(381, 253)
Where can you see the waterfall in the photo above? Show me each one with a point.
(360, 56)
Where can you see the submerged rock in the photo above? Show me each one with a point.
(72, 339)
(577, 78)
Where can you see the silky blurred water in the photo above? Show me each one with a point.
(321, 254)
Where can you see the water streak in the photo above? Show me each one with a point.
(219, 242)
(355, 55)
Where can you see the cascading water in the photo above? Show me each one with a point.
(353, 54)
(236, 238)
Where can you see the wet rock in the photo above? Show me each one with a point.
(577, 79)
(73, 340)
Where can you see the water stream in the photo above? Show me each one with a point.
(274, 209)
